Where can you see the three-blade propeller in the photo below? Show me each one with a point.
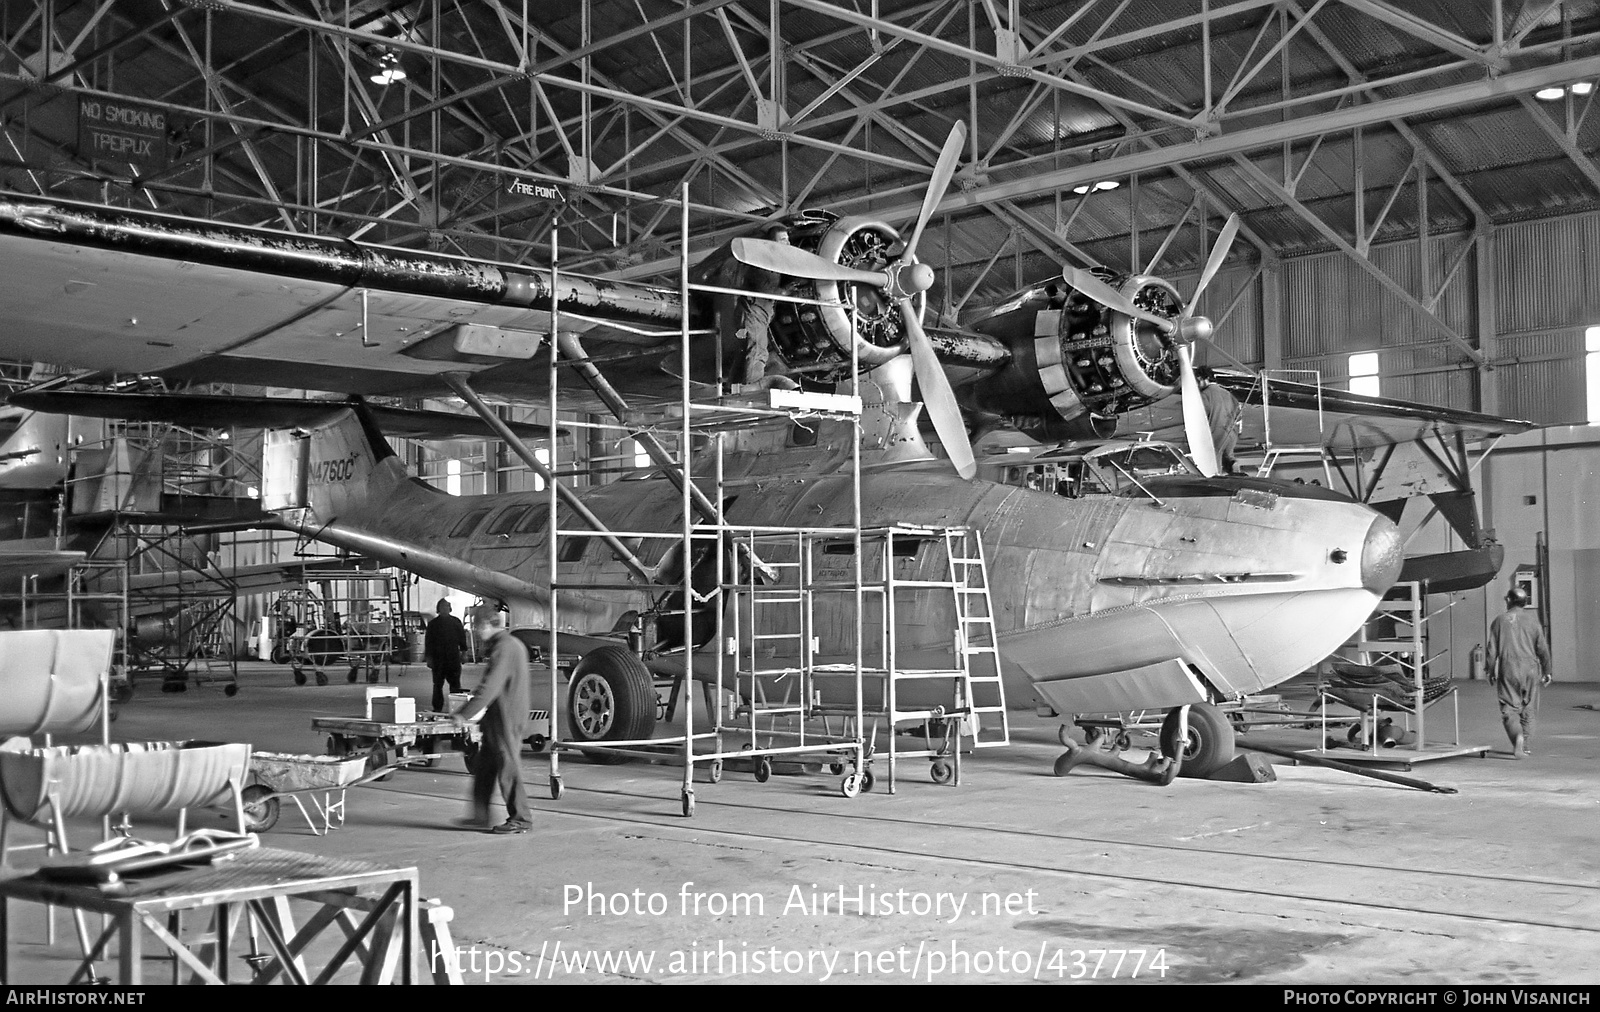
(1185, 330)
(902, 280)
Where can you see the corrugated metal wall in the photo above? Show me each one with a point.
(1547, 290)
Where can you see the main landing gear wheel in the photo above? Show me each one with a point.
(260, 809)
(1210, 746)
(610, 698)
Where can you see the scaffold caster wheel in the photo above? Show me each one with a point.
(714, 771)
(688, 804)
(1063, 767)
(322, 678)
(351, 677)
(299, 676)
(837, 769)
(941, 772)
(230, 691)
(867, 781)
(1063, 736)
(850, 786)
(555, 788)
(763, 770)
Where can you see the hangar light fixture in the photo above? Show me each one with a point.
(1556, 91)
(1104, 184)
(389, 69)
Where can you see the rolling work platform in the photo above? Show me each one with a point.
(1396, 635)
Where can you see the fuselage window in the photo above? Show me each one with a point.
(534, 519)
(904, 548)
(467, 524)
(571, 549)
(507, 520)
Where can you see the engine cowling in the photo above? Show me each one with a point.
(817, 339)
(1076, 362)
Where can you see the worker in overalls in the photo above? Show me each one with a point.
(1519, 664)
(503, 699)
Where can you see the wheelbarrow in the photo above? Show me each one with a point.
(321, 779)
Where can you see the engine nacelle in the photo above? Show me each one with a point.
(817, 339)
(1076, 361)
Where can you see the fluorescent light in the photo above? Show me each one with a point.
(1581, 87)
(1550, 94)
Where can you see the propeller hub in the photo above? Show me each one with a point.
(908, 280)
(1195, 328)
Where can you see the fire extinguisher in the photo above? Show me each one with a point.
(1475, 664)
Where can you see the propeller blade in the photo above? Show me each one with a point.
(1109, 297)
(1196, 426)
(937, 396)
(781, 258)
(943, 171)
(1219, 253)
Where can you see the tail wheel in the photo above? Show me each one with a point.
(1210, 743)
(610, 698)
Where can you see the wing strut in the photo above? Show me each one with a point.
(458, 382)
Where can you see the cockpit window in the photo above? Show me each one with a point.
(469, 523)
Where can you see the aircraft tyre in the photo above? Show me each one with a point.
(1210, 746)
(610, 698)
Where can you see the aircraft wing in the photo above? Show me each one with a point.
(126, 292)
(1341, 422)
(19, 561)
(211, 411)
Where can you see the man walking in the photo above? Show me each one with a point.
(442, 647)
(503, 699)
(1519, 663)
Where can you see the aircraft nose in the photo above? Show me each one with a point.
(1382, 556)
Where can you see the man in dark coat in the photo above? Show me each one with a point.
(442, 647)
(1519, 663)
(503, 699)
(1222, 413)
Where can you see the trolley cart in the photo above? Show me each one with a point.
(425, 740)
(281, 775)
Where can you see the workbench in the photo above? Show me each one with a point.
(374, 906)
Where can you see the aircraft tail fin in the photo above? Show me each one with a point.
(331, 468)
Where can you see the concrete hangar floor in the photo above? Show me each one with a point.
(1014, 876)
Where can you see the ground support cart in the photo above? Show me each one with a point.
(427, 739)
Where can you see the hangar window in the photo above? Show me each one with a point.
(1591, 362)
(452, 477)
(1364, 373)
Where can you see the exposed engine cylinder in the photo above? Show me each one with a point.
(817, 339)
(1095, 360)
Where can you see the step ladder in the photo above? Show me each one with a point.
(977, 645)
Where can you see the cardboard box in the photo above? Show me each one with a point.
(377, 691)
(394, 709)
